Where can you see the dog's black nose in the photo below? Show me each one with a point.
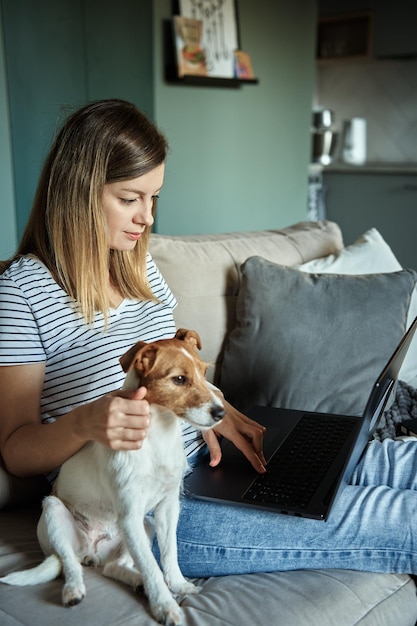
(217, 413)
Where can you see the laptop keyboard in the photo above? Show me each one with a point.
(296, 469)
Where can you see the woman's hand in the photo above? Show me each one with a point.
(246, 434)
(119, 420)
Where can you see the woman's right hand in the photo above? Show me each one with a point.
(119, 420)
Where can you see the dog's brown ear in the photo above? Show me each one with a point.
(146, 358)
(190, 336)
(127, 358)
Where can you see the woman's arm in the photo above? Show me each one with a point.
(119, 420)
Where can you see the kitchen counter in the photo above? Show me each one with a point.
(372, 167)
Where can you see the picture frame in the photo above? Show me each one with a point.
(220, 36)
(190, 55)
(219, 65)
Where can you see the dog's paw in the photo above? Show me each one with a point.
(91, 561)
(72, 594)
(137, 583)
(168, 614)
(184, 588)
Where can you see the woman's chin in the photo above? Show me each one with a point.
(125, 246)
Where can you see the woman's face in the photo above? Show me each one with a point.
(127, 206)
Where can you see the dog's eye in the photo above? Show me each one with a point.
(179, 380)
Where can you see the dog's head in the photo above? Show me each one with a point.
(174, 376)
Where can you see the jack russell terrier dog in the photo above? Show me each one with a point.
(101, 497)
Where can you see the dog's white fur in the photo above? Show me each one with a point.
(97, 513)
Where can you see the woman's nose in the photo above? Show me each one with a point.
(145, 215)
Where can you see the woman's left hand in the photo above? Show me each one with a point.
(246, 434)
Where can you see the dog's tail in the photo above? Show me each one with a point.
(46, 571)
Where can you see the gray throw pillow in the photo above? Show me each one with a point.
(312, 341)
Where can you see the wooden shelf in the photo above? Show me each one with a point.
(210, 81)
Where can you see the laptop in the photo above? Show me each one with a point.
(310, 456)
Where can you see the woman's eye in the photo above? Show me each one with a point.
(128, 201)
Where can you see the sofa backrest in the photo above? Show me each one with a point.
(203, 272)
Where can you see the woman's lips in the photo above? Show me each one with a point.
(134, 236)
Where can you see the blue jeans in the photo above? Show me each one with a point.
(372, 527)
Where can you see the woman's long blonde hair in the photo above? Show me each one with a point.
(103, 142)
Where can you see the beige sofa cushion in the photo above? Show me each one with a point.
(203, 272)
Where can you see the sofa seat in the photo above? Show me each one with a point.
(299, 598)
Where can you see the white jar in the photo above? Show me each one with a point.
(354, 141)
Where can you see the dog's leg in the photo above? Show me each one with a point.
(123, 570)
(163, 606)
(166, 519)
(58, 534)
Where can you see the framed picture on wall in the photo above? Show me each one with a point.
(191, 58)
(219, 36)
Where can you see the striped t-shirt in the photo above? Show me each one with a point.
(40, 323)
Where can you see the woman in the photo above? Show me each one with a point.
(80, 290)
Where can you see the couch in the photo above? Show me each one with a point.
(204, 274)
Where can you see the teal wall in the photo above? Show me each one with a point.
(60, 54)
(238, 158)
(8, 230)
